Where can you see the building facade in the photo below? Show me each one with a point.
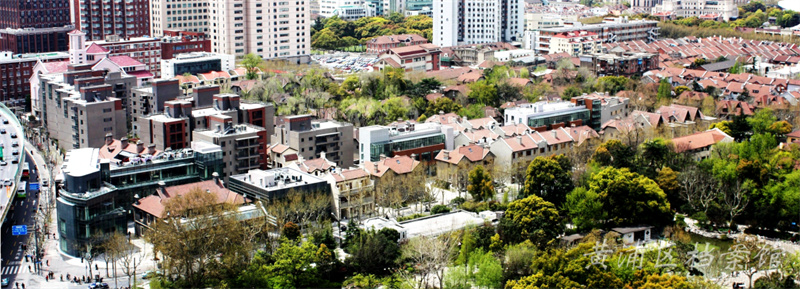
(276, 183)
(243, 146)
(726, 9)
(547, 115)
(123, 19)
(313, 138)
(610, 31)
(146, 50)
(274, 30)
(422, 139)
(15, 74)
(177, 42)
(423, 57)
(35, 26)
(457, 22)
(575, 43)
(196, 63)
(101, 184)
(191, 15)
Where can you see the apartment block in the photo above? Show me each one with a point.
(196, 63)
(101, 185)
(190, 15)
(610, 31)
(725, 9)
(274, 30)
(545, 115)
(313, 138)
(34, 40)
(353, 195)
(85, 98)
(575, 43)
(329, 8)
(169, 120)
(620, 63)
(35, 26)
(458, 22)
(15, 73)
(177, 42)
(244, 146)
(424, 140)
(121, 18)
(602, 108)
(146, 50)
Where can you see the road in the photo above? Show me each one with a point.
(12, 249)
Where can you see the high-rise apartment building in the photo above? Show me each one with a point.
(188, 15)
(272, 29)
(313, 139)
(102, 18)
(457, 22)
(34, 26)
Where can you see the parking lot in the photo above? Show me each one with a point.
(346, 62)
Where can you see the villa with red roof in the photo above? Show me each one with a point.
(353, 194)
(381, 44)
(700, 144)
(423, 57)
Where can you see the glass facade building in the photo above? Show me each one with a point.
(388, 149)
(97, 195)
(548, 120)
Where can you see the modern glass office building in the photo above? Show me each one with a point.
(98, 192)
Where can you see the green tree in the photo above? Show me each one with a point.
(531, 218)
(761, 121)
(472, 111)
(482, 92)
(524, 73)
(680, 89)
(611, 84)
(584, 209)
(570, 92)
(547, 178)
(395, 108)
(325, 39)
(373, 252)
(614, 153)
(251, 62)
(724, 126)
(664, 89)
(291, 231)
(480, 185)
(444, 105)
(630, 198)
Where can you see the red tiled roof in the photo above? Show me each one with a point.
(398, 164)
(56, 66)
(279, 148)
(318, 164)
(350, 174)
(141, 74)
(215, 74)
(470, 77)
(473, 153)
(699, 140)
(124, 60)
(519, 81)
(184, 79)
(154, 204)
(96, 49)
(113, 149)
(433, 96)
(392, 39)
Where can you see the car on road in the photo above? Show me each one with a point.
(5, 282)
(15, 152)
(3, 163)
(5, 121)
(150, 274)
(13, 135)
(2, 131)
(7, 182)
(14, 144)
(98, 286)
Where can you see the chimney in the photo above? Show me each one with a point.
(441, 112)
(109, 138)
(446, 155)
(519, 139)
(322, 155)
(555, 133)
(123, 142)
(161, 193)
(215, 175)
(139, 147)
(151, 149)
(376, 167)
(383, 157)
(414, 157)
